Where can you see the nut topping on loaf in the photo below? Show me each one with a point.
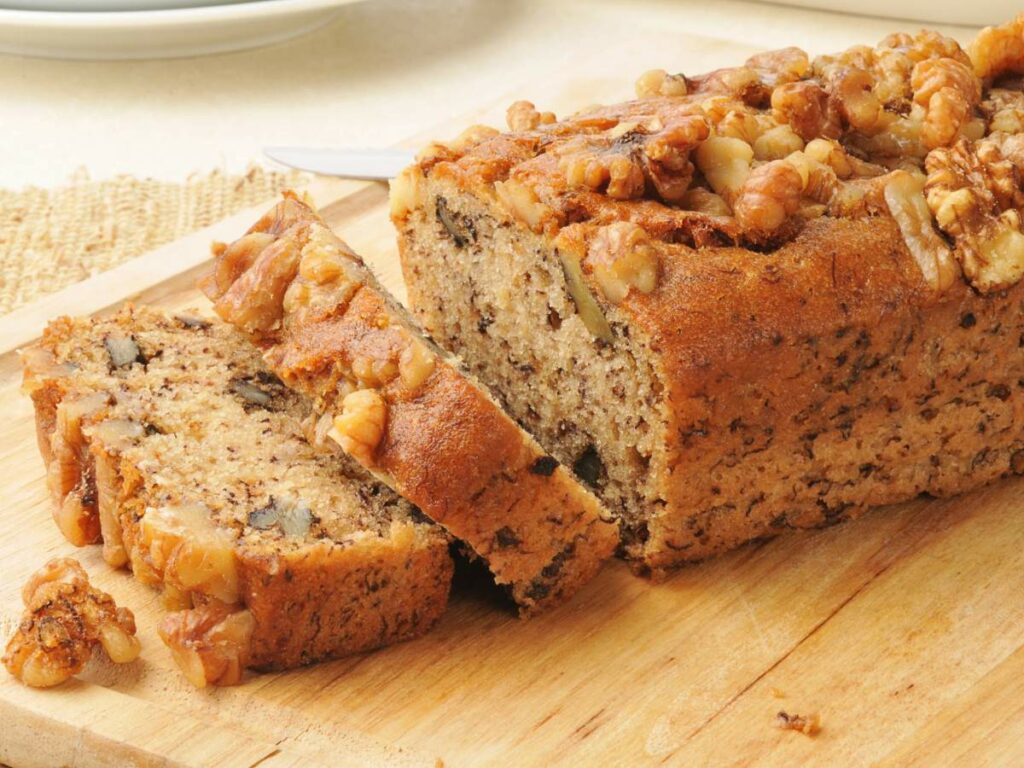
(177, 448)
(749, 155)
(739, 303)
(402, 408)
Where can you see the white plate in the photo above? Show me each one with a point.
(161, 33)
(969, 12)
(110, 5)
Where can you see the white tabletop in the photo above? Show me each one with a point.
(385, 70)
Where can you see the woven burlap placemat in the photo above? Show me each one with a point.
(51, 238)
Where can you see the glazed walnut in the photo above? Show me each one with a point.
(974, 192)
(905, 199)
(254, 302)
(209, 643)
(65, 619)
(658, 82)
(623, 258)
(999, 50)
(768, 197)
(189, 553)
(523, 116)
(612, 169)
(359, 427)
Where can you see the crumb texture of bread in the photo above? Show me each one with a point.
(167, 440)
(401, 407)
(763, 298)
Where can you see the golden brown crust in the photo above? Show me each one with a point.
(308, 603)
(443, 444)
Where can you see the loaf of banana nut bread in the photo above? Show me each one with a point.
(402, 408)
(167, 439)
(757, 299)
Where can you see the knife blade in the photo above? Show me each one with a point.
(350, 163)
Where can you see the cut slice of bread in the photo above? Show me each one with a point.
(168, 440)
(404, 409)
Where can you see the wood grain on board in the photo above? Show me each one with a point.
(904, 629)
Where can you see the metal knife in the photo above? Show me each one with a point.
(370, 164)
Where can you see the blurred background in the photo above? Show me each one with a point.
(103, 159)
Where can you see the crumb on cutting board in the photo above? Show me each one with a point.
(808, 725)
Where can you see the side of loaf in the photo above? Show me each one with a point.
(402, 408)
(758, 299)
(166, 439)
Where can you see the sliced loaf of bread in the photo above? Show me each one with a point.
(404, 409)
(168, 440)
(758, 299)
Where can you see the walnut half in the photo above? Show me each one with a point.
(209, 643)
(64, 619)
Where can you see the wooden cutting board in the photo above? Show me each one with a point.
(904, 629)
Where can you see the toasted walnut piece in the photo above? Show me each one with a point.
(406, 192)
(210, 643)
(667, 156)
(523, 116)
(254, 302)
(782, 66)
(904, 195)
(359, 427)
(70, 472)
(321, 262)
(64, 619)
(805, 108)
(705, 201)
(190, 551)
(613, 170)
(622, 257)
(949, 90)
(745, 125)
(110, 437)
(236, 258)
(932, 75)
(657, 82)
(374, 371)
(39, 366)
(725, 164)
(852, 91)
(776, 143)
(571, 249)
(770, 194)
(998, 50)
(415, 364)
(522, 202)
(743, 83)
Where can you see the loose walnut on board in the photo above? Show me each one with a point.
(209, 643)
(65, 618)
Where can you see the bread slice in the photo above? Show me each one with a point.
(167, 439)
(726, 304)
(403, 409)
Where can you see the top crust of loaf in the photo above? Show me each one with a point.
(914, 130)
(402, 408)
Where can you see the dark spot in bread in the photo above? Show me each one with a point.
(505, 537)
(968, 320)
(1017, 462)
(544, 466)
(588, 466)
(458, 227)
